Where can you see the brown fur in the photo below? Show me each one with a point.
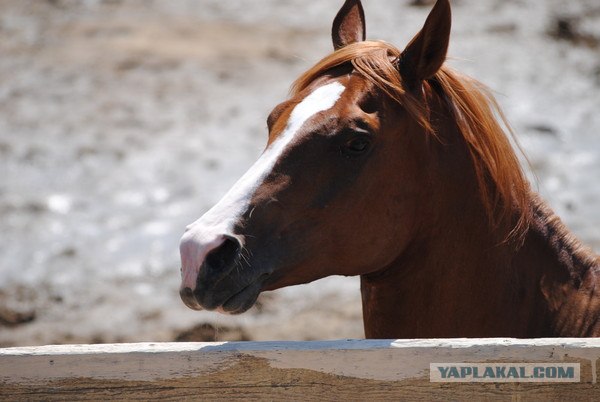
(502, 184)
(572, 292)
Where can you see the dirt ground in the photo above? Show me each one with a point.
(123, 121)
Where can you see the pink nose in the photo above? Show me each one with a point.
(206, 258)
(194, 248)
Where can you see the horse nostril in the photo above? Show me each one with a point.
(225, 256)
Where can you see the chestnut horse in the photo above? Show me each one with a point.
(389, 165)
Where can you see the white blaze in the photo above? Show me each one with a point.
(235, 202)
(207, 232)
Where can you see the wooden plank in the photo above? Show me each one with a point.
(328, 370)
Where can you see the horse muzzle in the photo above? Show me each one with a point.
(215, 276)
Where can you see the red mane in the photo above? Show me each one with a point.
(504, 190)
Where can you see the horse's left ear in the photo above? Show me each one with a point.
(426, 52)
(348, 25)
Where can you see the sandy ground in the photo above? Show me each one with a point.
(123, 121)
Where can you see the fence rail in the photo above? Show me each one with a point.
(327, 370)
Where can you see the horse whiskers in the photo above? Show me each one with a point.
(245, 256)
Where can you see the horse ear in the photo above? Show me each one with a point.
(349, 25)
(426, 52)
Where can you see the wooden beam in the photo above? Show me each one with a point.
(347, 369)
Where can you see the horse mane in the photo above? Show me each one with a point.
(563, 245)
(503, 188)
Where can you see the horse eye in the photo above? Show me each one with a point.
(356, 146)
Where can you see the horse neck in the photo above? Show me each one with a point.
(460, 282)
(440, 285)
(570, 274)
(457, 278)
(455, 281)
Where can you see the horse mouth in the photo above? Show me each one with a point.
(222, 299)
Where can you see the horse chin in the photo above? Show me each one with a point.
(242, 301)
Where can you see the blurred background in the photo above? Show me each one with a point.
(123, 121)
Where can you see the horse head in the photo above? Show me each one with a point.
(341, 182)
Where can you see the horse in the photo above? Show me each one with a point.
(390, 165)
